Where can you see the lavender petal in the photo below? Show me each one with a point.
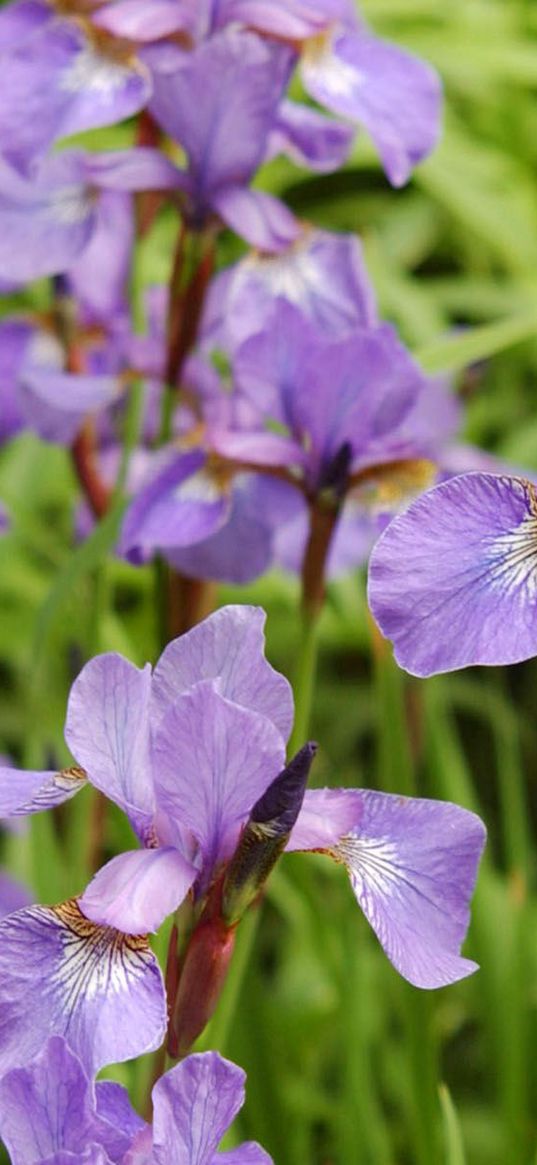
(136, 891)
(107, 724)
(229, 755)
(60, 974)
(227, 647)
(452, 581)
(48, 1106)
(412, 865)
(394, 95)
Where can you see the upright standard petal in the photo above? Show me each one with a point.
(194, 1105)
(453, 580)
(393, 94)
(219, 102)
(212, 760)
(107, 724)
(412, 865)
(60, 974)
(228, 647)
(49, 1105)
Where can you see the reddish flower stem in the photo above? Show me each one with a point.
(202, 976)
(188, 600)
(84, 455)
(323, 521)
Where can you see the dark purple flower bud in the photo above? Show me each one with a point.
(266, 834)
(334, 478)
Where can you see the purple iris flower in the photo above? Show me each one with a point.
(301, 402)
(361, 393)
(453, 580)
(220, 102)
(50, 216)
(394, 95)
(198, 513)
(36, 390)
(186, 752)
(196, 509)
(58, 77)
(51, 1113)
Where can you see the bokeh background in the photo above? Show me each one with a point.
(347, 1064)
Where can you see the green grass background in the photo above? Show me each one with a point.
(347, 1064)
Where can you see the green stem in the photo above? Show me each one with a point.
(395, 774)
(395, 766)
(304, 680)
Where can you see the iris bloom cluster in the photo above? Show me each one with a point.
(194, 754)
(298, 421)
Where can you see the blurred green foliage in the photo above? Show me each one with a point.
(344, 1060)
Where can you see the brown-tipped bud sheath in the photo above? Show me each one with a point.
(265, 835)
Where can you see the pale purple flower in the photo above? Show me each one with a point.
(220, 102)
(37, 392)
(356, 75)
(52, 1113)
(453, 580)
(51, 215)
(57, 80)
(361, 392)
(305, 405)
(187, 752)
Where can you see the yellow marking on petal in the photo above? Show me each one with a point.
(74, 775)
(71, 916)
(316, 47)
(387, 485)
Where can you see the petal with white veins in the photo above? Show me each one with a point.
(61, 974)
(412, 865)
(453, 580)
